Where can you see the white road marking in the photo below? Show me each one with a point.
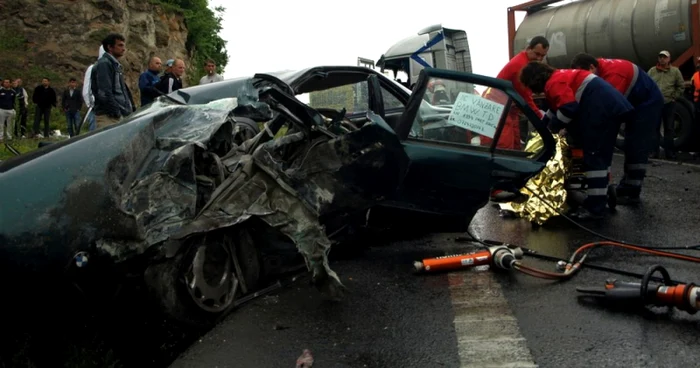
(487, 331)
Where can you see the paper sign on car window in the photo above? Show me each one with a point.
(476, 114)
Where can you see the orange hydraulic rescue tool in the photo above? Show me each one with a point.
(685, 297)
(499, 256)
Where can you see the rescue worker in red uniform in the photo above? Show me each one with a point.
(591, 110)
(643, 93)
(510, 136)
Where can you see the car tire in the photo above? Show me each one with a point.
(182, 284)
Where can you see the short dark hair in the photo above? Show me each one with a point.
(538, 40)
(47, 78)
(210, 61)
(72, 80)
(111, 40)
(535, 75)
(583, 61)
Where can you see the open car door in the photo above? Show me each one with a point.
(464, 139)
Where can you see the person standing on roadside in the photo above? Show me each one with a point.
(671, 83)
(88, 97)
(23, 104)
(44, 98)
(172, 81)
(212, 76)
(7, 109)
(113, 100)
(72, 102)
(148, 81)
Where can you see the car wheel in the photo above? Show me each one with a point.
(200, 285)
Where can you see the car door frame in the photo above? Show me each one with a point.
(494, 165)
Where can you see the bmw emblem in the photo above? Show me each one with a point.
(81, 259)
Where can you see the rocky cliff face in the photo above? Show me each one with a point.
(60, 38)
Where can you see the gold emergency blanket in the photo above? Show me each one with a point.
(549, 184)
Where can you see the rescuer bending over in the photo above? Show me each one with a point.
(591, 110)
(648, 102)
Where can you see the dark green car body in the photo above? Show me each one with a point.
(57, 207)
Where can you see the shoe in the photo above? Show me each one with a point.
(583, 214)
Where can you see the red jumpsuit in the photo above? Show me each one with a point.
(561, 91)
(510, 136)
(643, 93)
(598, 109)
(619, 73)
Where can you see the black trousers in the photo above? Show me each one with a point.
(40, 112)
(668, 123)
(21, 122)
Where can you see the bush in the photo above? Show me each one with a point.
(203, 40)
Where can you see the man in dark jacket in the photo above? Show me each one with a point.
(23, 104)
(44, 98)
(72, 102)
(113, 99)
(148, 81)
(7, 109)
(172, 80)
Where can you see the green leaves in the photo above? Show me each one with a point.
(203, 40)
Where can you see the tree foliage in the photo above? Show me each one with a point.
(203, 40)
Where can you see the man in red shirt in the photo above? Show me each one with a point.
(510, 136)
(592, 111)
(648, 102)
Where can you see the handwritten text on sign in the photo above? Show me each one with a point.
(475, 113)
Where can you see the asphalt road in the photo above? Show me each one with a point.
(394, 318)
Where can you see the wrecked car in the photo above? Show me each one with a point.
(213, 189)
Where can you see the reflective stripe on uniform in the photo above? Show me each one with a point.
(562, 117)
(637, 167)
(597, 191)
(597, 174)
(582, 87)
(635, 76)
(632, 183)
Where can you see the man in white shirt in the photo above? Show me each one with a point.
(211, 75)
(88, 97)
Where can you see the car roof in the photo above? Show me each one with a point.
(201, 94)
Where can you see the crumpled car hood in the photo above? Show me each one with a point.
(122, 189)
(174, 172)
